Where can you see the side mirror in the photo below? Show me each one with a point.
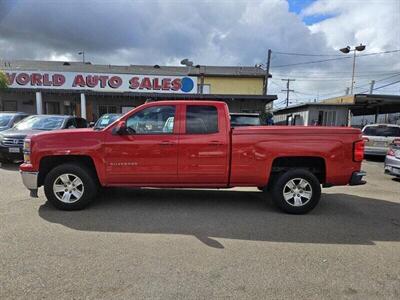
(91, 124)
(120, 129)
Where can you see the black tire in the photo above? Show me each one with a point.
(89, 184)
(283, 183)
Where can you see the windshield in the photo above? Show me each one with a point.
(105, 120)
(245, 120)
(382, 131)
(40, 123)
(4, 120)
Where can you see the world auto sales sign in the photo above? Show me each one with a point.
(102, 82)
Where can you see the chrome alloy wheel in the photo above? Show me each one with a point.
(297, 192)
(68, 188)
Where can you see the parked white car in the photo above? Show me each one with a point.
(378, 138)
(392, 160)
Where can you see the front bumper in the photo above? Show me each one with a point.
(6, 154)
(30, 179)
(356, 178)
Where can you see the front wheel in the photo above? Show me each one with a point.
(296, 191)
(70, 187)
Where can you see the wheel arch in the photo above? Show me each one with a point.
(48, 163)
(314, 164)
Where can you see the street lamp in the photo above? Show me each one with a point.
(348, 49)
(83, 55)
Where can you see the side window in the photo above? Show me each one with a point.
(81, 123)
(70, 123)
(153, 120)
(201, 119)
(17, 119)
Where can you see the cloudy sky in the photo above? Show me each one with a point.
(217, 33)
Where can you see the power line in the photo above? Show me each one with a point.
(337, 78)
(332, 59)
(330, 55)
(311, 62)
(317, 71)
(306, 76)
(382, 86)
(304, 54)
(382, 79)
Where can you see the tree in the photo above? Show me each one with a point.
(3, 81)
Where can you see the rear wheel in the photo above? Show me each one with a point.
(70, 187)
(296, 191)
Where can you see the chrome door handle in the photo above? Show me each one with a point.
(215, 143)
(166, 143)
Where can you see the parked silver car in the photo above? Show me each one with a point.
(378, 137)
(392, 160)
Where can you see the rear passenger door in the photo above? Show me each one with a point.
(203, 146)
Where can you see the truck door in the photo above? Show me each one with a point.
(203, 146)
(149, 153)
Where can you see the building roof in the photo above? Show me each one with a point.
(74, 66)
(360, 104)
(307, 105)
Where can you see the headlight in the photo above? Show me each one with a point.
(27, 151)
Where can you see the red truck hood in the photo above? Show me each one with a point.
(295, 130)
(67, 141)
(62, 131)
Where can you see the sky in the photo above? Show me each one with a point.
(221, 33)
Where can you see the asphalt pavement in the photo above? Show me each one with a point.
(201, 244)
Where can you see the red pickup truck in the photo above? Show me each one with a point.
(190, 144)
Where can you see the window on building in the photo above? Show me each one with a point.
(206, 88)
(10, 105)
(329, 118)
(153, 120)
(52, 108)
(107, 109)
(201, 119)
(125, 109)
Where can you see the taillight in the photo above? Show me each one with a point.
(358, 150)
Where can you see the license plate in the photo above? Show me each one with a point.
(13, 150)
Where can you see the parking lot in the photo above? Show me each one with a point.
(175, 244)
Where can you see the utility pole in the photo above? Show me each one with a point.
(371, 88)
(83, 55)
(288, 90)
(267, 71)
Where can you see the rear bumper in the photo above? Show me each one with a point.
(356, 178)
(381, 151)
(30, 179)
